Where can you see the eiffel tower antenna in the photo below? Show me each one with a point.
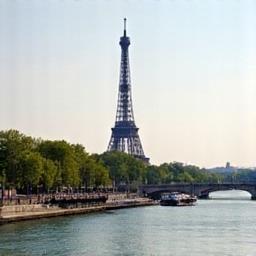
(124, 26)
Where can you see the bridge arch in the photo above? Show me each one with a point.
(156, 195)
(230, 194)
(206, 193)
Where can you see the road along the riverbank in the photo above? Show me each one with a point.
(28, 212)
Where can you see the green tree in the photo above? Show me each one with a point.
(87, 172)
(101, 175)
(64, 155)
(153, 175)
(124, 168)
(115, 162)
(135, 170)
(184, 177)
(49, 174)
(30, 169)
(12, 146)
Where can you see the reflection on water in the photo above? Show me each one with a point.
(212, 227)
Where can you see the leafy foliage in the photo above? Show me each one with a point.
(28, 162)
(178, 172)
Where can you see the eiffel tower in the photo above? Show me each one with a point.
(125, 137)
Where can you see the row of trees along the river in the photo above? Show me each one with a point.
(29, 164)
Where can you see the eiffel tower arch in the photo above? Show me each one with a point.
(125, 137)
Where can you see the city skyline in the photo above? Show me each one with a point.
(192, 74)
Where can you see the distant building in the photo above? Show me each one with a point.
(227, 169)
(228, 165)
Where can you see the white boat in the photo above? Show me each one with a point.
(177, 199)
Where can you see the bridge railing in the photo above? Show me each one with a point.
(199, 183)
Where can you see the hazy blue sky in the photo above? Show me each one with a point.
(193, 67)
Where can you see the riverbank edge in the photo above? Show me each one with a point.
(50, 213)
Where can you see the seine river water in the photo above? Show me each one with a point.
(223, 227)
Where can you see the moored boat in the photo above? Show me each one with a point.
(177, 199)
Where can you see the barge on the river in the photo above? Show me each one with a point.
(177, 199)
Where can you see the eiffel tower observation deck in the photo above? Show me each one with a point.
(125, 137)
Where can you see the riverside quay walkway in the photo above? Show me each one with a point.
(46, 206)
(201, 190)
(64, 200)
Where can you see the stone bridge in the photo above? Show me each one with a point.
(201, 190)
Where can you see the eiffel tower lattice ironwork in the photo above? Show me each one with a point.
(125, 137)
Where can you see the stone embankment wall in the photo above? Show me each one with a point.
(11, 213)
(121, 196)
(28, 208)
